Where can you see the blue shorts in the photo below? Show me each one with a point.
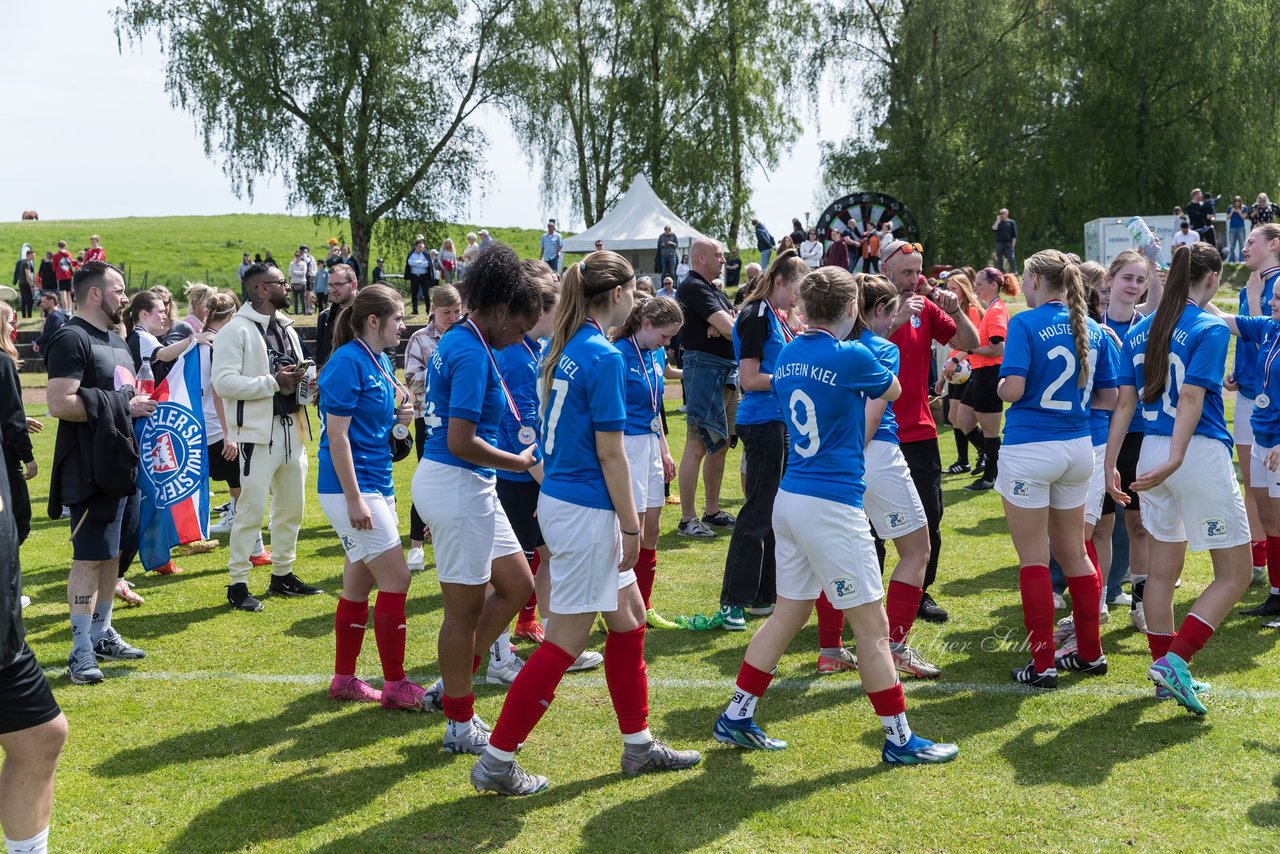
(100, 536)
(705, 377)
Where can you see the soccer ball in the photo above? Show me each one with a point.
(962, 373)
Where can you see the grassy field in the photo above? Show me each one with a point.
(223, 738)
(173, 250)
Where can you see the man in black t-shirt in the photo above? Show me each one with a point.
(86, 355)
(668, 247)
(1006, 241)
(732, 270)
(24, 279)
(707, 339)
(32, 727)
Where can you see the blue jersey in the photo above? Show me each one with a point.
(519, 365)
(1041, 349)
(1197, 355)
(1106, 376)
(461, 383)
(352, 386)
(759, 334)
(886, 353)
(644, 386)
(1247, 369)
(1265, 332)
(823, 385)
(588, 396)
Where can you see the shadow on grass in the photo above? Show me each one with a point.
(1266, 813)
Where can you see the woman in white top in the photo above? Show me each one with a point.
(682, 269)
(448, 261)
(811, 250)
(468, 252)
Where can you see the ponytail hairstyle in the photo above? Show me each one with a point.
(198, 293)
(220, 308)
(964, 293)
(585, 285)
(1124, 259)
(827, 293)
(1061, 275)
(659, 311)
(786, 264)
(170, 306)
(142, 301)
(444, 296)
(1191, 266)
(875, 290)
(1093, 274)
(377, 300)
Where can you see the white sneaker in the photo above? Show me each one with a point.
(1058, 602)
(417, 559)
(505, 673)
(1123, 600)
(1138, 619)
(223, 525)
(586, 661)
(26, 601)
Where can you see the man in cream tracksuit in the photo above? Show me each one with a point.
(258, 385)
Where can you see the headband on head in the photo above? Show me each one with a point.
(582, 266)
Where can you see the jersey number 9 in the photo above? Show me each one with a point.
(808, 427)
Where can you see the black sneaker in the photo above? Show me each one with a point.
(981, 465)
(291, 585)
(1269, 608)
(958, 468)
(930, 611)
(720, 519)
(1074, 661)
(241, 599)
(1028, 676)
(980, 485)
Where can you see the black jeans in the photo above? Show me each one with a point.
(1005, 252)
(750, 574)
(926, 473)
(667, 267)
(417, 527)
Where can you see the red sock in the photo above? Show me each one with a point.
(901, 606)
(888, 702)
(753, 680)
(528, 613)
(349, 623)
(1092, 552)
(1193, 634)
(1159, 644)
(389, 632)
(530, 695)
(1037, 613)
(1261, 553)
(646, 568)
(628, 679)
(1085, 593)
(1273, 561)
(475, 664)
(830, 624)
(459, 709)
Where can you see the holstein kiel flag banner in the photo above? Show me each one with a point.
(173, 474)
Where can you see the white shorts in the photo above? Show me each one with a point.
(586, 547)
(824, 546)
(468, 526)
(362, 545)
(1261, 476)
(644, 458)
(1097, 486)
(1242, 429)
(1200, 502)
(891, 502)
(1046, 474)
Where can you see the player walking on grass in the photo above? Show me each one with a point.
(1171, 371)
(589, 519)
(483, 574)
(824, 542)
(653, 322)
(361, 402)
(1049, 377)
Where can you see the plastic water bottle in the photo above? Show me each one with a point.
(307, 388)
(1143, 237)
(145, 381)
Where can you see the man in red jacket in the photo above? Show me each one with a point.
(64, 268)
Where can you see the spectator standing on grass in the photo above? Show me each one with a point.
(838, 251)
(732, 270)
(1200, 215)
(811, 250)
(47, 275)
(96, 251)
(298, 281)
(1006, 231)
(322, 287)
(245, 264)
(764, 241)
(349, 258)
(342, 285)
(468, 252)
(1263, 211)
(552, 246)
(485, 239)
(416, 268)
(64, 269)
(448, 262)
(54, 318)
(378, 275)
(668, 249)
(798, 233)
(683, 268)
(1236, 230)
(24, 279)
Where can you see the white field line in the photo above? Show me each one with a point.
(572, 680)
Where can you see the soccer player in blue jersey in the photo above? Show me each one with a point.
(1171, 372)
(484, 577)
(759, 333)
(361, 402)
(891, 502)
(589, 520)
(1049, 379)
(653, 322)
(1262, 256)
(824, 542)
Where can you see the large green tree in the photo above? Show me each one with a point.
(363, 107)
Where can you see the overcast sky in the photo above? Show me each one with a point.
(98, 137)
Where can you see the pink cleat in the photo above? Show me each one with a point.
(405, 694)
(356, 690)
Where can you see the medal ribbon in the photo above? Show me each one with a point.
(787, 334)
(645, 368)
(511, 401)
(395, 384)
(1266, 364)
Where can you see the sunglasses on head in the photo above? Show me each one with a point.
(905, 249)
